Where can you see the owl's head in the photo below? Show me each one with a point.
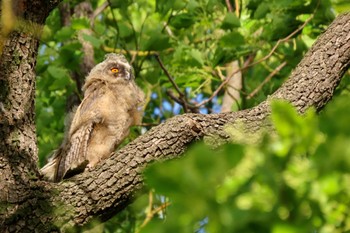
(114, 66)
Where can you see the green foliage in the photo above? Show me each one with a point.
(192, 199)
(293, 181)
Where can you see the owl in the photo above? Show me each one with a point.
(112, 104)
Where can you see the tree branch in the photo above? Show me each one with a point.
(171, 79)
(182, 99)
(267, 79)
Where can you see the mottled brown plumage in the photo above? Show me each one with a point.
(112, 103)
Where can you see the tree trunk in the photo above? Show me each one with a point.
(29, 204)
(232, 96)
(18, 151)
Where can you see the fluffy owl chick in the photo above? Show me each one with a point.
(112, 103)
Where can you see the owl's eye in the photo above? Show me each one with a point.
(115, 70)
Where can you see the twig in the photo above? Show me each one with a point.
(155, 211)
(283, 40)
(266, 80)
(257, 62)
(175, 98)
(150, 205)
(133, 56)
(229, 6)
(187, 106)
(182, 99)
(171, 79)
(288, 37)
(150, 213)
(98, 11)
(237, 8)
(220, 87)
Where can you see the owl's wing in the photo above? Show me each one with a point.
(89, 109)
(72, 154)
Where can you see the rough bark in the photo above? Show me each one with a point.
(109, 187)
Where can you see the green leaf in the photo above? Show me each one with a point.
(57, 72)
(340, 125)
(224, 55)
(153, 77)
(285, 228)
(163, 6)
(80, 23)
(284, 117)
(230, 21)
(341, 6)
(281, 26)
(61, 77)
(93, 40)
(197, 56)
(64, 34)
(125, 30)
(183, 20)
(262, 10)
(157, 42)
(120, 4)
(298, 132)
(70, 55)
(232, 39)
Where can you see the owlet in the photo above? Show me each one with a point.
(112, 103)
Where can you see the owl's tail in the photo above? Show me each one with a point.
(50, 169)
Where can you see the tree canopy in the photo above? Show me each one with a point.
(286, 171)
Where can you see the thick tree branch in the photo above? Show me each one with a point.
(110, 186)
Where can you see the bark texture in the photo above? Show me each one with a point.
(18, 150)
(110, 186)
